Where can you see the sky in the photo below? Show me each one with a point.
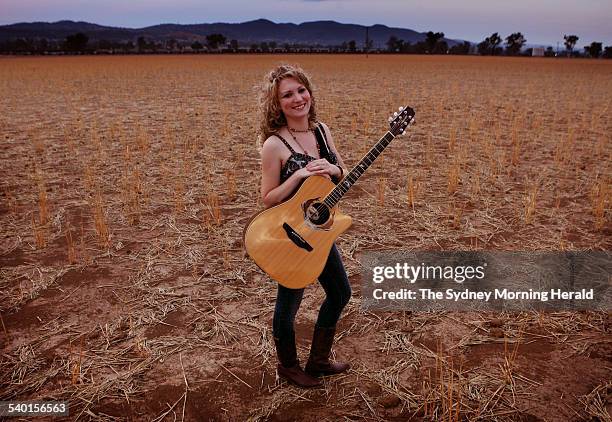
(540, 21)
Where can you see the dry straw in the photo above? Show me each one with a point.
(530, 203)
(176, 302)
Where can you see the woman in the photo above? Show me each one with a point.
(296, 146)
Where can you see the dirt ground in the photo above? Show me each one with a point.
(126, 183)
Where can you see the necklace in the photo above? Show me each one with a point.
(299, 130)
(298, 142)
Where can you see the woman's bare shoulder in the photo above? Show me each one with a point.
(272, 145)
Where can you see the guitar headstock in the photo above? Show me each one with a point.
(400, 120)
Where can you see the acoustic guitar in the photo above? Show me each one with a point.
(291, 241)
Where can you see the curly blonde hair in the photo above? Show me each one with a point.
(272, 117)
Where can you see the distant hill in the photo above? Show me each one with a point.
(325, 33)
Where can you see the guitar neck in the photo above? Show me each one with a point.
(349, 180)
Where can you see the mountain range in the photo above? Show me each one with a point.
(324, 33)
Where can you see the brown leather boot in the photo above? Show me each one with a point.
(289, 365)
(318, 363)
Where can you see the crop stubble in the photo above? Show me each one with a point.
(126, 182)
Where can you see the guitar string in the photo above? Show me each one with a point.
(359, 169)
(337, 193)
(334, 196)
(352, 177)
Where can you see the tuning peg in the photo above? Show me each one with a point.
(390, 119)
(401, 109)
(395, 114)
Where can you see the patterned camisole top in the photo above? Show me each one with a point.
(298, 160)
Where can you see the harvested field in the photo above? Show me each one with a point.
(126, 183)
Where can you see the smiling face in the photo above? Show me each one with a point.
(294, 99)
(286, 96)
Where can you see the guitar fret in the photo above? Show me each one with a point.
(349, 180)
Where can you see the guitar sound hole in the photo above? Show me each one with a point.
(317, 213)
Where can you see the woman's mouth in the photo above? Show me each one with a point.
(300, 107)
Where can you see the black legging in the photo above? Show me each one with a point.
(334, 281)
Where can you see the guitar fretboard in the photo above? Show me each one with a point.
(349, 180)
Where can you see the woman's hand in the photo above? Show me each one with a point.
(323, 167)
(305, 172)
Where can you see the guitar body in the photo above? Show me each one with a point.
(291, 241)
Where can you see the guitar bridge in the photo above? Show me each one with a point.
(296, 238)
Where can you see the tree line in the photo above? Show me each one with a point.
(493, 45)
(433, 43)
(80, 43)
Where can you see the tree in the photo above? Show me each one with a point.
(593, 50)
(514, 43)
(419, 48)
(489, 44)
(105, 45)
(171, 44)
(440, 48)
(460, 48)
(484, 47)
(42, 45)
(352, 46)
(394, 44)
(570, 41)
(155, 46)
(142, 44)
(197, 46)
(431, 40)
(213, 40)
(76, 42)
(22, 45)
(234, 45)
(549, 52)
(494, 41)
(607, 52)
(408, 48)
